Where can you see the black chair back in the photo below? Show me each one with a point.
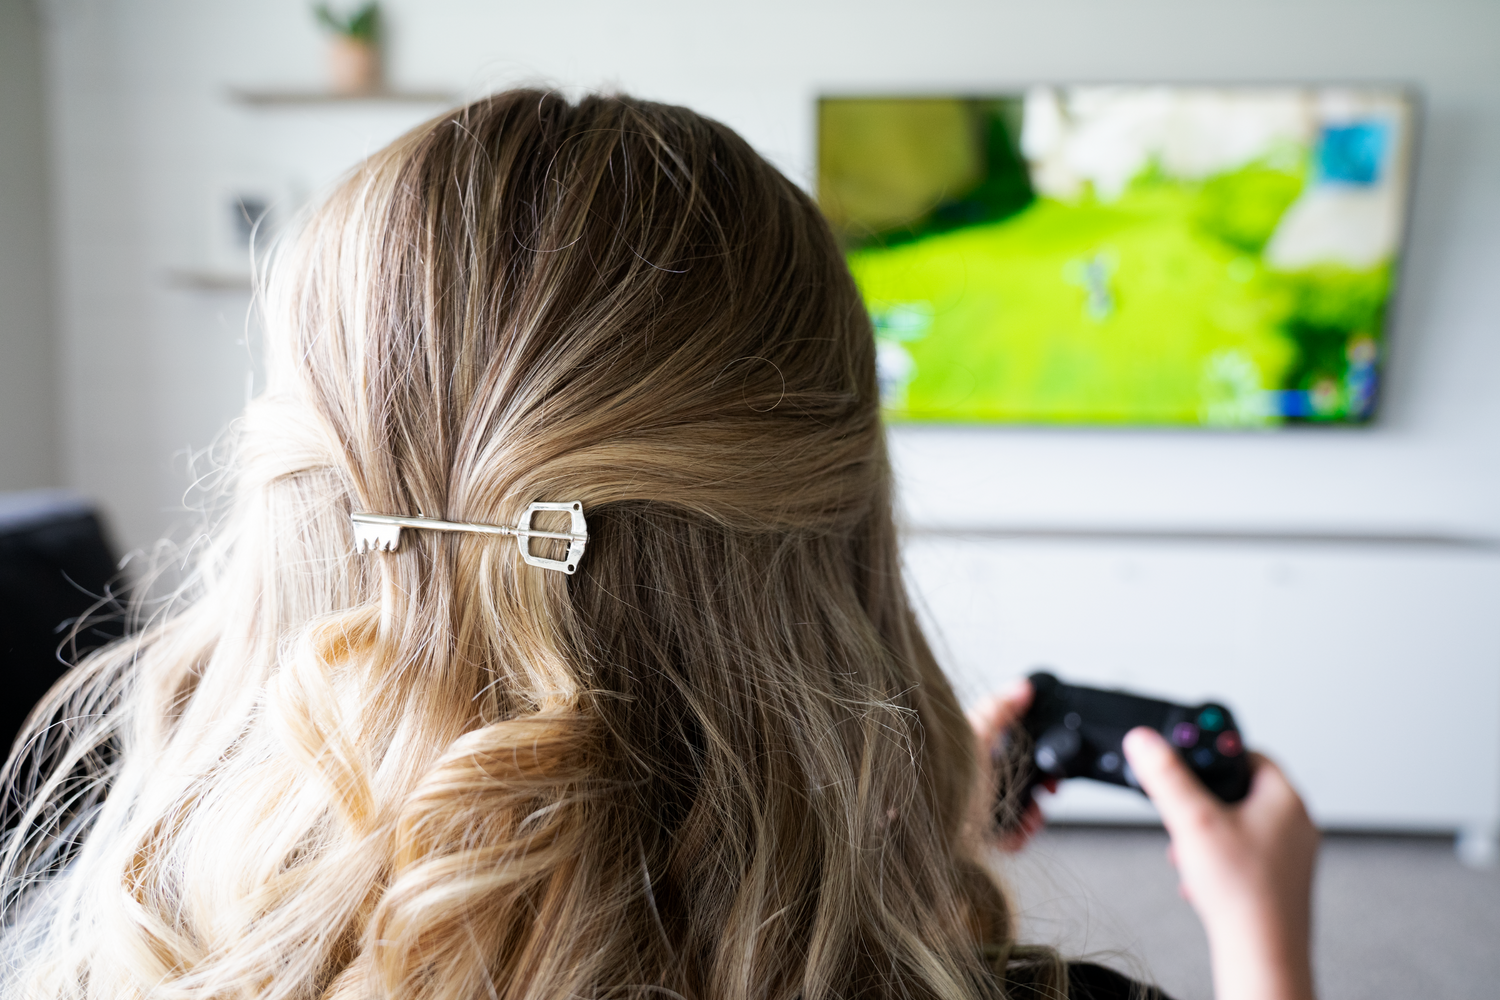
(55, 566)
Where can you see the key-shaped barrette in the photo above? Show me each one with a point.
(382, 533)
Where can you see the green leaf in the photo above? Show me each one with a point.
(362, 25)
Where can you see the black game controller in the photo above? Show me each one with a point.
(1077, 732)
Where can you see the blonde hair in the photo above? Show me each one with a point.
(720, 761)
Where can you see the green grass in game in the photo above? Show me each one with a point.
(1077, 312)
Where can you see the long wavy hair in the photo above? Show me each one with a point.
(720, 761)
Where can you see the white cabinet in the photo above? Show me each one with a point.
(1371, 671)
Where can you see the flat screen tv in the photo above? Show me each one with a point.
(1137, 255)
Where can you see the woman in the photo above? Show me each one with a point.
(714, 759)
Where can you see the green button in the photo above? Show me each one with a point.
(1211, 719)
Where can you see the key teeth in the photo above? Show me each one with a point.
(376, 537)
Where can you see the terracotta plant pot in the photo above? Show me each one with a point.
(353, 66)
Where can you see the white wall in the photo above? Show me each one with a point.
(28, 446)
(142, 132)
(142, 127)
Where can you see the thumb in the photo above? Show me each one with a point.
(1178, 794)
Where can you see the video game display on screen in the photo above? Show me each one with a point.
(1147, 255)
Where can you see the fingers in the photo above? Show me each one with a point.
(1269, 785)
(991, 716)
(1273, 798)
(1031, 821)
(1267, 778)
(1178, 794)
(989, 719)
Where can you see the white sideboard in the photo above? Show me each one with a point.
(1370, 670)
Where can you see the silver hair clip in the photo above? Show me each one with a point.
(382, 533)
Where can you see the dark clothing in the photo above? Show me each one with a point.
(1087, 981)
(1094, 982)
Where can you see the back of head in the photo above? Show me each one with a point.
(717, 761)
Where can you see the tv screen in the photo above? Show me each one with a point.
(1147, 255)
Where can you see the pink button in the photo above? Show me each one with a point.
(1228, 743)
(1185, 734)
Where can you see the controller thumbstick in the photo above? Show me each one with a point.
(1056, 749)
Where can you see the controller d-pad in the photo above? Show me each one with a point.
(1057, 748)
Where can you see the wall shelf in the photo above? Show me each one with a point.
(305, 98)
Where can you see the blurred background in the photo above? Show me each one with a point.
(1338, 586)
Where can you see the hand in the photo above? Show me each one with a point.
(1246, 869)
(990, 718)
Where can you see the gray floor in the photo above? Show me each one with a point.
(1395, 917)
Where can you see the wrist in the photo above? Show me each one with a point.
(1260, 959)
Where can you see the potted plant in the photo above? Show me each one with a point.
(353, 50)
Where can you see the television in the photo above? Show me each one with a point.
(1220, 256)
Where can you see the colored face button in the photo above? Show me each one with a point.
(1184, 734)
(1228, 743)
(1203, 756)
(1211, 719)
